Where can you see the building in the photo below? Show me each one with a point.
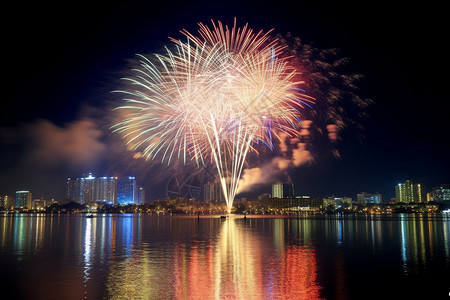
(408, 192)
(23, 200)
(80, 190)
(366, 198)
(107, 189)
(404, 192)
(282, 190)
(126, 191)
(420, 194)
(440, 193)
(6, 202)
(39, 204)
(212, 192)
(292, 203)
(338, 202)
(141, 196)
(264, 195)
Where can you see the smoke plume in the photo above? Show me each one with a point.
(293, 154)
(76, 144)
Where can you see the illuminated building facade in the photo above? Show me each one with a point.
(140, 196)
(366, 198)
(6, 202)
(441, 193)
(126, 190)
(420, 195)
(39, 204)
(338, 202)
(282, 190)
(212, 191)
(408, 192)
(111, 190)
(23, 199)
(292, 202)
(104, 189)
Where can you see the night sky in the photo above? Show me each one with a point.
(60, 64)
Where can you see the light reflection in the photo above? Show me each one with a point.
(87, 247)
(163, 257)
(403, 244)
(446, 230)
(419, 234)
(126, 228)
(136, 278)
(87, 250)
(339, 231)
(19, 234)
(239, 264)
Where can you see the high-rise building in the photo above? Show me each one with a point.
(105, 189)
(39, 204)
(441, 193)
(126, 190)
(81, 190)
(23, 199)
(277, 190)
(112, 190)
(212, 191)
(365, 198)
(338, 202)
(404, 192)
(282, 190)
(207, 192)
(408, 192)
(420, 195)
(6, 202)
(141, 196)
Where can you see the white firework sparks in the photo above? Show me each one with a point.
(210, 99)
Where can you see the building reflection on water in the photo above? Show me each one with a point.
(149, 257)
(418, 240)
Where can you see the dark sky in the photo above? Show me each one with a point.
(61, 62)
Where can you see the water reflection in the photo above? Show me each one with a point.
(87, 249)
(421, 238)
(236, 264)
(149, 257)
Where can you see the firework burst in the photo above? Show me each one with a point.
(210, 98)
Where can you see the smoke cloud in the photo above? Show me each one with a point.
(301, 155)
(76, 144)
(263, 174)
(294, 154)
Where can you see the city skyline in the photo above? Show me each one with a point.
(58, 114)
(114, 190)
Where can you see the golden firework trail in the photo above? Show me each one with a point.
(210, 98)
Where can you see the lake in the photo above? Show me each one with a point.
(136, 256)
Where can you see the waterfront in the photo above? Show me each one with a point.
(136, 256)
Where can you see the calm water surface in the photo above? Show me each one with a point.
(170, 257)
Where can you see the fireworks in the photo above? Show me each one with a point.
(210, 99)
